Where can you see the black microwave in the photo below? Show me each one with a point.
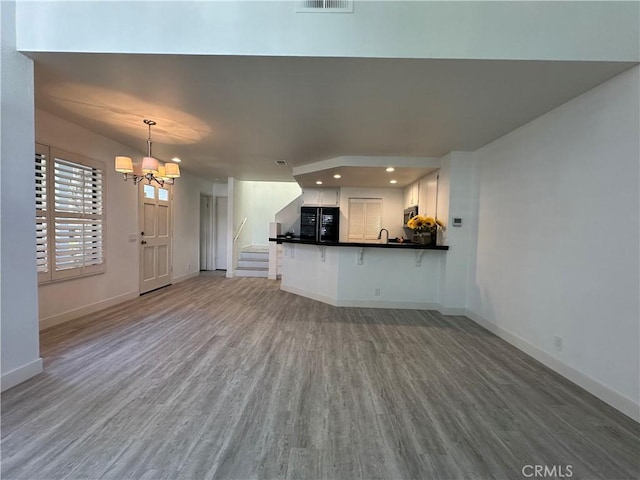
(409, 213)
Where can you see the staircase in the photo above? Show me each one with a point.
(254, 262)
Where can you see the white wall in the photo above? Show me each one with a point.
(64, 300)
(289, 216)
(392, 208)
(401, 283)
(186, 218)
(557, 240)
(18, 294)
(477, 30)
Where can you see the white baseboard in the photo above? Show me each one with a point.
(603, 392)
(20, 374)
(360, 303)
(388, 304)
(451, 311)
(309, 294)
(86, 310)
(182, 278)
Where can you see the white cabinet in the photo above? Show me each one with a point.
(411, 194)
(428, 192)
(321, 197)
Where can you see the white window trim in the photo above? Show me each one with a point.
(53, 275)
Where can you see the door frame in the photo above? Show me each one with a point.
(216, 200)
(209, 233)
(140, 226)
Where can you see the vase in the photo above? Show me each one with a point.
(425, 238)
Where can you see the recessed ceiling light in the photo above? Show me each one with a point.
(318, 182)
(337, 175)
(390, 169)
(176, 159)
(393, 181)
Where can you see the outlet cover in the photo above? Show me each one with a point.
(557, 343)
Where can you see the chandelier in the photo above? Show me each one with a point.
(151, 170)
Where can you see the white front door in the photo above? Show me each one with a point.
(155, 236)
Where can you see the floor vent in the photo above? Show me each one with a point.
(324, 6)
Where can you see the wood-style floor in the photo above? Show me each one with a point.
(234, 379)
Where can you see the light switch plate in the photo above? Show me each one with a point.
(133, 237)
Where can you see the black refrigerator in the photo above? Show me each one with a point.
(321, 224)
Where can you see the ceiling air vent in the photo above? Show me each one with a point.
(281, 163)
(324, 6)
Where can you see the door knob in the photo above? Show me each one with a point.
(143, 242)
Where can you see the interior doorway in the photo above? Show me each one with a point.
(207, 254)
(221, 234)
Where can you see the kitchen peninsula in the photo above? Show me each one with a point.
(377, 275)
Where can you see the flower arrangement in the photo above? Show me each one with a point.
(422, 223)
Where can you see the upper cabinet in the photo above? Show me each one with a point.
(321, 197)
(428, 193)
(411, 195)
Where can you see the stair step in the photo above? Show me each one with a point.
(253, 263)
(256, 248)
(254, 256)
(251, 272)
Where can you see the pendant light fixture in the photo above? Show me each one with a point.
(152, 171)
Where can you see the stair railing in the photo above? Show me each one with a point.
(237, 235)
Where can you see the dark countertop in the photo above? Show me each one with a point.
(396, 245)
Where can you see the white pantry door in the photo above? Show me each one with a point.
(155, 236)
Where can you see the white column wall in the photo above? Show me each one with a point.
(186, 219)
(455, 199)
(18, 292)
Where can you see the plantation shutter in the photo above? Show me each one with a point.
(365, 218)
(69, 201)
(372, 218)
(42, 241)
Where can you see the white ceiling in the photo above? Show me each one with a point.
(363, 177)
(235, 116)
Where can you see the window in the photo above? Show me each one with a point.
(69, 214)
(365, 217)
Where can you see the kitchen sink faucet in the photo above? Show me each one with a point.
(380, 234)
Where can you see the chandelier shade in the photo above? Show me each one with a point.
(150, 165)
(172, 170)
(124, 165)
